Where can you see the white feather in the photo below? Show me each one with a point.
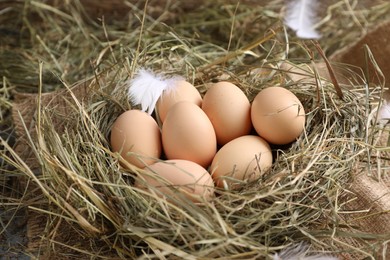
(301, 17)
(300, 252)
(384, 111)
(146, 88)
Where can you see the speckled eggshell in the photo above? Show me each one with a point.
(241, 160)
(278, 115)
(137, 137)
(178, 176)
(229, 111)
(188, 134)
(181, 91)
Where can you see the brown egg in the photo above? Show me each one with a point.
(277, 115)
(229, 111)
(179, 176)
(241, 160)
(188, 134)
(183, 91)
(137, 137)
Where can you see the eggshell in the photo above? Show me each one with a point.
(229, 111)
(181, 91)
(174, 176)
(243, 159)
(137, 137)
(188, 134)
(277, 115)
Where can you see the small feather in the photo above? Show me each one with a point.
(301, 16)
(300, 252)
(146, 88)
(384, 111)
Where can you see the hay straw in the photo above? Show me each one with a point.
(86, 189)
(79, 172)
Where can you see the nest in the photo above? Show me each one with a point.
(81, 201)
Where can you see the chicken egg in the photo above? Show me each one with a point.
(229, 111)
(188, 134)
(181, 91)
(277, 115)
(241, 160)
(178, 176)
(137, 137)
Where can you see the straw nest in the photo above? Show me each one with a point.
(89, 204)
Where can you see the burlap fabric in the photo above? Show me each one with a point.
(367, 203)
(24, 113)
(368, 207)
(378, 42)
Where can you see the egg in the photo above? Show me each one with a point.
(278, 115)
(181, 91)
(178, 176)
(229, 111)
(241, 160)
(137, 137)
(188, 134)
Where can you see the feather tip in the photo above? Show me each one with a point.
(300, 17)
